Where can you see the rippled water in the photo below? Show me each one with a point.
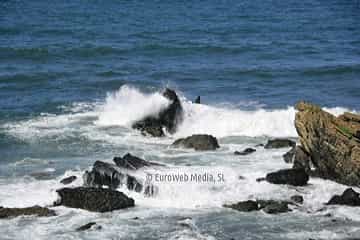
(75, 74)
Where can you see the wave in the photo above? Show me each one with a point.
(128, 104)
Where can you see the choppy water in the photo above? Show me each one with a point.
(74, 75)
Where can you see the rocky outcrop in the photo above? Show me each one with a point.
(131, 162)
(106, 174)
(35, 210)
(94, 199)
(349, 198)
(295, 177)
(279, 143)
(199, 142)
(247, 151)
(167, 119)
(268, 206)
(68, 180)
(332, 143)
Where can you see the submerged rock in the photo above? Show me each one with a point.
(273, 207)
(331, 142)
(247, 151)
(35, 210)
(167, 119)
(94, 199)
(199, 142)
(131, 162)
(68, 180)
(297, 199)
(279, 143)
(87, 226)
(245, 206)
(295, 177)
(349, 198)
(268, 206)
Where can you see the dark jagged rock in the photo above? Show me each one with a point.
(279, 143)
(331, 142)
(106, 174)
(35, 210)
(295, 177)
(247, 151)
(169, 118)
(94, 199)
(200, 142)
(245, 206)
(197, 100)
(302, 160)
(86, 226)
(131, 162)
(349, 197)
(297, 199)
(68, 180)
(268, 206)
(289, 156)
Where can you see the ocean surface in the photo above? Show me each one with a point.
(74, 76)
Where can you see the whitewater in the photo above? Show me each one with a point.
(100, 130)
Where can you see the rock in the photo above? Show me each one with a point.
(200, 142)
(68, 180)
(261, 179)
(289, 156)
(35, 210)
(297, 199)
(349, 197)
(295, 177)
(131, 162)
(247, 151)
(106, 174)
(274, 207)
(268, 206)
(331, 142)
(302, 159)
(279, 143)
(169, 118)
(245, 206)
(94, 199)
(197, 100)
(86, 226)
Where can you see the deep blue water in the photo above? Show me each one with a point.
(271, 52)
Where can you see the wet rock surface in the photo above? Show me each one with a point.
(167, 119)
(199, 142)
(295, 177)
(279, 143)
(94, 199)
(349, 197)
(131, 162)
(68, 180)
(35, 210)
(247, 151)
